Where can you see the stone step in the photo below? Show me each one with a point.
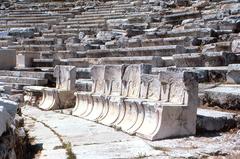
(82, 62)
(66, 23)
(74, 31)
(94, 25)
(29, 18)
(32, 47)
(209, 59)
(39, 41)
(25, 25)
(36, 14)
(177, 18)
(39, 75)
(155, 61)
(182, 40)
(32, 21)
(46, 55)
(215, 121)
(27, 80)
(167, 50)
(43, 63)
(42, 69)
(223, 96)
(198, 32)
(83, 17)
(216, 47)
(205, 74)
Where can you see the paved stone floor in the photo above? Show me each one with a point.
(62, 135)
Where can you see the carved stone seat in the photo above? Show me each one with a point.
(90, 104)
(62, 96)
(127, 97)
(171, 105)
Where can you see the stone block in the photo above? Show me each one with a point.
(54, 98)
(7, 59)
(5, 120)
(236, 46)
(188, 60)
(66, 76)
(223, 96)
(217, 47)
(10, 106)
(25, 60)
(212, 120)
(219, 58)
(233, 74)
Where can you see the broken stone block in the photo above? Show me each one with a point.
(233, 74)
(7, 59)
(236, 46)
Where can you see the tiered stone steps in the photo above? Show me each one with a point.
(198, 38)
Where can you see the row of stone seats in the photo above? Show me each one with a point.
(128, 97)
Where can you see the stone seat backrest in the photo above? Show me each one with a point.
(131, 80)
(113, 79)
(118, 80)
(65, 77)
(150, 87)
(97, 74)
(171, 86)
(178, 86)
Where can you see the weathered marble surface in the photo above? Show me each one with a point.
(129, 98)
(105, 142)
